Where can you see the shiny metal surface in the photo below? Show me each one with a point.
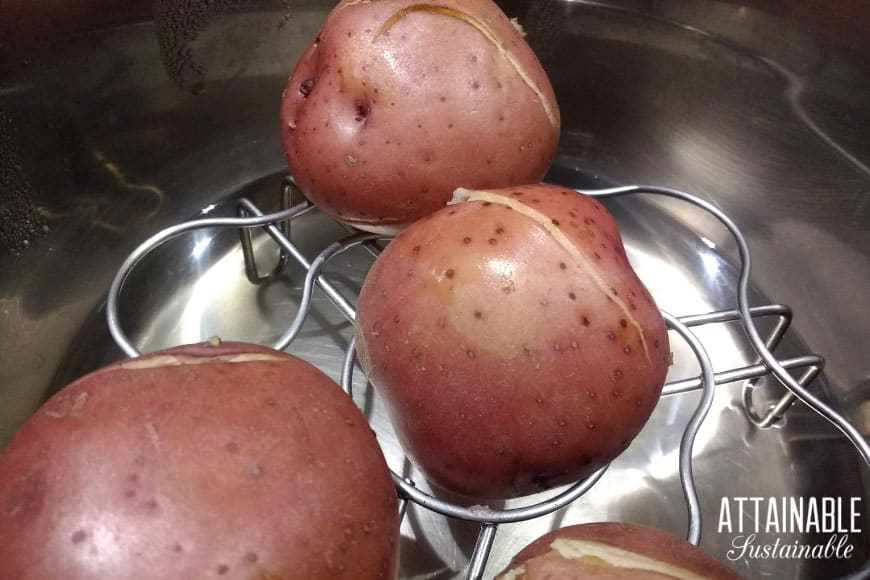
(758, 108)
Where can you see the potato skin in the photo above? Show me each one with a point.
(379, 130)
(247, 470)
(505, 368)
(541, 562)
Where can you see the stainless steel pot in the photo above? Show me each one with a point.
(119, 119)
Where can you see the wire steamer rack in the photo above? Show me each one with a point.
(805, 368)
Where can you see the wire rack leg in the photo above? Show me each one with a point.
(482, 548)
(776, 412)
(252, 271)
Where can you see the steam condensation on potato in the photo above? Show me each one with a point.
(219, 460)
(395, 104)
(513, 343)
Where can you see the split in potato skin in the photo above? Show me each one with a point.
(613, 551)
(396, 104)
(508, 365)
(210, 459)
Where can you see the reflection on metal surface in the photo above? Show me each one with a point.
(116, 172)
(793, 94)
(103, 213)
(194, 319)
(200, 247)
(795, 84)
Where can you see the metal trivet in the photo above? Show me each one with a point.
(277, 225)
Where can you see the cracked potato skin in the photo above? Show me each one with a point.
(380, 126)
(202, 468)
(538, 561)
(506, 368)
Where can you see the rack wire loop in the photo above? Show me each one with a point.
(776, 369)
(687, 443)
(113, 318)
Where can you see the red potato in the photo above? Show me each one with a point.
(395, 104)
(613, 551)
(201, 461)
(514, 346)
